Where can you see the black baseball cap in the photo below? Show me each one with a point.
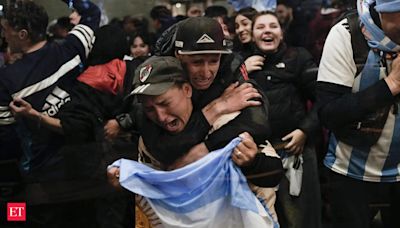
(156, 75)
(200, 35)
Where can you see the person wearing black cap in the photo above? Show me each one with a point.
(200, 53)
(199, 44)
(162, 87)
(165, 107)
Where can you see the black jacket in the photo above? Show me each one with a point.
(89, 108)
(167, 148)
(86, 153)
(288, 78)
(253, 120)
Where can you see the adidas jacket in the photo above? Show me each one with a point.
(44, 78)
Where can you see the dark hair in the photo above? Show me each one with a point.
(28, 15)
(144, 36)
(248, 12)
(180, 17)
(160, 13)
(147, 39)
(285, 3)
(64, 22)
(140, 23)
(230, 23)
(216, 11)
(110, 44)
(116, 21)
(164, 16)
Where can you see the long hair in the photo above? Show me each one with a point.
(146, 37)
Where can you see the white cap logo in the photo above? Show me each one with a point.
(205, 39)
(145, 72)
(178, 44)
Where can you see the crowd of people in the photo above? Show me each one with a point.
(316, 113)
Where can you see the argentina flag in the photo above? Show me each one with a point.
(211, 192)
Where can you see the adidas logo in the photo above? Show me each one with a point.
(205, 39)
(55, 100)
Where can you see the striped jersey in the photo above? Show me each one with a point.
(379, 162)
(43, 78)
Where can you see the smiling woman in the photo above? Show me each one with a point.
(243, 24)
(287, 76)
(243, 32)
(140, 45)
(267, 32)
(243, 28)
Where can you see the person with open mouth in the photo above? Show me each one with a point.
(287, 76)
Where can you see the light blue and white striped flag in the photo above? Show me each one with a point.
(211, 192)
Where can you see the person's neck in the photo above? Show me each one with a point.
(35, 47)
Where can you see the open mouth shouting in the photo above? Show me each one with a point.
(172, 126)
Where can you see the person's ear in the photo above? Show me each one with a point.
(187, 88)
(23, 34)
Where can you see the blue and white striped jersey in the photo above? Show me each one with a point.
(380, 162)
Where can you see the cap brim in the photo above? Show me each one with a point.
(151, 89)
(204, 52)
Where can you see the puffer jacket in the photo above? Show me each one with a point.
(288, 78)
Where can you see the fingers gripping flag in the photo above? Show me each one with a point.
(211, 192)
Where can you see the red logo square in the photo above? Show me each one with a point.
(16, 211)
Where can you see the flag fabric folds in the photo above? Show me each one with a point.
(211, 192)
